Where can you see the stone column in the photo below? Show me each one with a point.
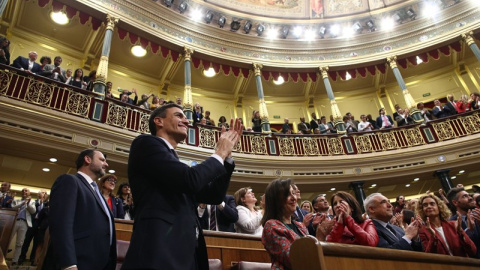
(357, 187)
(467, 37)
(261, 100)
(339, 124)
(187, 97)
(3, 5)
(102, 70)
(411, 104)
(445, 180)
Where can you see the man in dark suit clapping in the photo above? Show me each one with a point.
(82, 235)
(167, 233)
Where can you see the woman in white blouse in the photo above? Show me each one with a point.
(248, 218)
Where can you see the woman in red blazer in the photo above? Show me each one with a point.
(349, 226)
(279, 230)
(439, 235)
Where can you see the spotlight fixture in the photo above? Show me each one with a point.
(46, 169)
(260, 29)
(407, 185)
(234, 25)
(371, 26)
(182, 7)
(411, 13)
(111, 171)
(322, 31)
(53, 159)
(357, 27)
(332, 189)
(247, 27)
(222, 21)
(168, 3)
(284, 31)
(208, 16)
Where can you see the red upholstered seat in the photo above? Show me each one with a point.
(251, 266)
(122, 247)
(215, 264)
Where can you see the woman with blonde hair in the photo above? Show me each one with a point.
(248, 217)
(439, 235)
(462, 104)
(307, 206)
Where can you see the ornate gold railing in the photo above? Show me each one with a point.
(40, 91)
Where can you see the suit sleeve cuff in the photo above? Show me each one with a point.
(217, 157)
(406, 239)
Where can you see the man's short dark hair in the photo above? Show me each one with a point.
(81, 157)
(453, 195)
(379, 110)
(159, 112)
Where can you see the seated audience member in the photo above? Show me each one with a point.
(5, 197)
(248, 217)
(439, 235)
(364, 125)
(462, 104)
(125, 195)
(280, 230)
(371, 121)
(26, 208)
(90, 80)
(426, 113)
(324, 127)
(220, 217)
(4, 51)
(210, 121)
(304, 127)
(222, 121)
(256, 121)
(44, 61)
(320, 213)
(77, 79)
(380, 211)
(399, 204)
(464, 205)
(383, 120)
(54, 72)
(107, 185)
(286, 127)
(28, 64)
(197, 113)
(350, 226)
(143, 103)
(403, 118)
(307, 206)
(440, 111)
(299, 213)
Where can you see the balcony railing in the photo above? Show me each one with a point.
(40, 91)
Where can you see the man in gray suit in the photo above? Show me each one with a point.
(55, 72)
(380, 211)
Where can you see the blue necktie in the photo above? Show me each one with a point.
(105, 208)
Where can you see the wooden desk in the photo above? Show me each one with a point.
(8, 217)
(228, 247)
(308, 253)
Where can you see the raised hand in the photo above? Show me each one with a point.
(458, 223)
(429, 227)
(318, 219)
(307, 218)
(411, 231)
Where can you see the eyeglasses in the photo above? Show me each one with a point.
(111, 180)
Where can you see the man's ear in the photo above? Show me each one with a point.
(158, 121)
(87, 160)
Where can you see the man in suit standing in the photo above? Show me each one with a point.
(303, 127)
(82, 235)
(167, 233)
(219, 217)
(380, 211)
(440, 111)
(28, 64)
(451, 104)
(426, 113)
(55, 72)
(383, 120)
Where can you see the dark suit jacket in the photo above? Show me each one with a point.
(387, 240)
(117, 208)
(48, 72)
(225, 217)
(380, 121)
(5, 203)
(79, 227)
(451, 108)
(167, 193)
(314, 124)
(22, 62)
(404, 121)
(445, 112)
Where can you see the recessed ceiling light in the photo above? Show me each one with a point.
(416, 179)
(453, 177)
(210, 72)
(53, 159)
(462, 171)
(332, 189)
(407, 185)
(374, 185)
(46, 169)
(59, 17)
(138, 51)
(111, 171)
(279, 81)
(196, 15)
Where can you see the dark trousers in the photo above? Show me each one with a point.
(29, 236)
